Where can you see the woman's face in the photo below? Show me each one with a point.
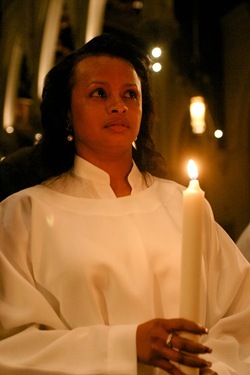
(106, 107)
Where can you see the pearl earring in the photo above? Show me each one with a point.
(70, 138)
(69, 130)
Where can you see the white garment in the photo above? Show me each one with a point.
(78, 275)
(243, 242)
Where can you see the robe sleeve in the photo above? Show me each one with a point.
(228, 303)
(34, 339)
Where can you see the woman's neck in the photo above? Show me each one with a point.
(118, 169)
(118, 173)
(120, 186)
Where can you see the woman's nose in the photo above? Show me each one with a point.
(116, 105)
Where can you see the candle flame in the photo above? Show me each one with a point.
(192, 170)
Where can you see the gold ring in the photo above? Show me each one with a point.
(169, 340)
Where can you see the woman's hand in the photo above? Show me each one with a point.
(159, 344)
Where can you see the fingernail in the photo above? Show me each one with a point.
(209, 350)
(204, 329)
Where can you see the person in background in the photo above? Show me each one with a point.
(243, 242)
(90, 257)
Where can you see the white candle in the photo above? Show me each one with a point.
(193, 202)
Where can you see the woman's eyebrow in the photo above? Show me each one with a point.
(97, 83)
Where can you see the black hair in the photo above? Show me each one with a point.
(57, 153)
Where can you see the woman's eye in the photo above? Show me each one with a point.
(98, 93)
(130, 94)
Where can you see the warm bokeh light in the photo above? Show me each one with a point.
(218, 133)
(137, 5)
(38, 136)
(156, 52)
(96, 12)
(192, 170)
(50, 35)
(9, 129)
(12, 84)
(197, 114)
(156, 67)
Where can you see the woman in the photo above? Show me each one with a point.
(91, 257)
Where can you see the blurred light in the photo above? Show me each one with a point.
(3, 157)
(197, 113)
(156, 52)
(192, 170)
(137, 5)
(12, 84)
(218, 133)
(50, 35)
(95, 16)
(156, 67)
(38, 136)
(9, 129)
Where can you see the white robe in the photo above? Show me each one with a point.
(80, 269)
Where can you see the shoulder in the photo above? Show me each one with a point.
(23, 198)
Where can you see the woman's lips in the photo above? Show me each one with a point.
(117, 124)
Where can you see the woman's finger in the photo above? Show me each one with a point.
(186, 345)
(180, 324)
(178, 356)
